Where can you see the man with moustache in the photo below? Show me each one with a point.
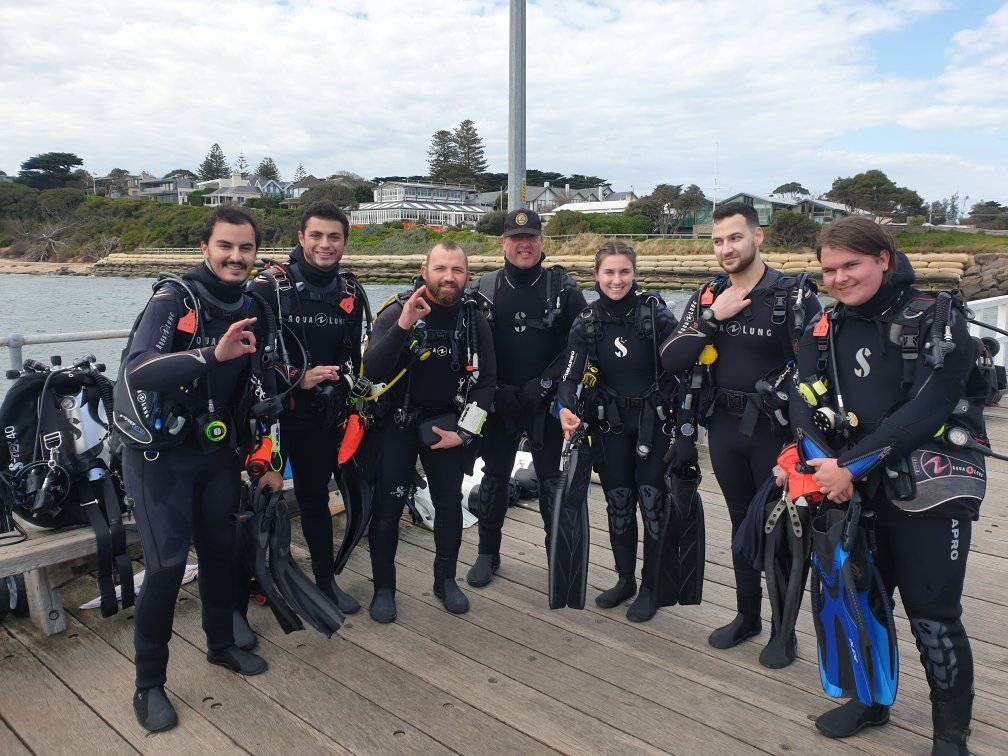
(531, 310)
(753, 318)
(435, 411)
(189, 371)
(323, 308)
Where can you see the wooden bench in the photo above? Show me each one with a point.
(50, 559)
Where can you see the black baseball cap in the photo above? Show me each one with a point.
(522, 221)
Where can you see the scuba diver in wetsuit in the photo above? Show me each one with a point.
(323, 308)
(184, 491)
(743, 327)
(436, 347)
(531, 310)
(896, 398)
(617, 337)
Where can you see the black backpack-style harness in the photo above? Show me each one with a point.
(488, 285)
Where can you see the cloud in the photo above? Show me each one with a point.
(638, 91)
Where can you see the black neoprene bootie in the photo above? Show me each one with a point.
(951, 725)
(153, 710)
(451, 596)
(482, 572)
(850, 718)
(383, 608)
(238, 661)
(746, 624)
(346, 603)
(643, 607)
(244, 638)
(625, 588)
(779, 652)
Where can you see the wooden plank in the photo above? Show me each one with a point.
(45, 604)
(100, 675)
(252, 720)
(311, 697)
(34, 699)
(44, 548)
(599, 681)
(443, 716)
(989, 709)
(734, 689)
(10, 743)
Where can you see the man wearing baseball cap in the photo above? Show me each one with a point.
(530, 309)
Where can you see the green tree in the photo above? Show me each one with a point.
(18, 201)
(58, 202)
(577, 181)
(363, 193)
(268, 202)
(566, 223)
(877, 193)
(267, 169)
(442, 152)
(469, 147)
(791, 230)
(491, 223)
(182, 173)
(990, 214)
(792, 189)
(341, 194)
(300, 173)
(214, 165)
(241, 164)
(50, 170)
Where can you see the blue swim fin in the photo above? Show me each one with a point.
(858, 655)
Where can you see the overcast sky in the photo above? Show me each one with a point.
(636, 91)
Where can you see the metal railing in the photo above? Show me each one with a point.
(16, 341)
(993, 310)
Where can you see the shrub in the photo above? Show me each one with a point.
(566, 223)
(791, 230)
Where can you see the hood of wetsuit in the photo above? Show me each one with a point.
(225, 291)
(903, 276)
(522, 276)
(619, 307)
(314, 276)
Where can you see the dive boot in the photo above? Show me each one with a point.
(383, 608)
(153, 710)
(625, 588)
(346, 603)
(779, 653)
(643, 607)
(951, 725)
(238, 661)
(244, 638)
(746, 624)
(451, 596)
(482, 572)
(851, 718)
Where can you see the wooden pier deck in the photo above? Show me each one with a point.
(509, 677)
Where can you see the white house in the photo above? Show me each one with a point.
(422, 202)
(232, 195)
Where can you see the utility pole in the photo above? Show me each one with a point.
(516, 108)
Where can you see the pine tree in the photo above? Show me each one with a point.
(442, 152)
(267, 169)
(469, 146)
(214, 166)
(300, 173)
(241, 164)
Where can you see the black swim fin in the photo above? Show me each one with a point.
(569, 539)
(679, 576)
(297, 590)
(357, 494)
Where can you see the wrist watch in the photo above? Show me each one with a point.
(708, 318)
(466, 436)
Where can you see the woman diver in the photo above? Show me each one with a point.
(614, 344)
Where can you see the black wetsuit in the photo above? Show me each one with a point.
(924, 555)
(187, 493)
(630, 388)
(429, 389)
(323, 310)
(528, 353)
(750, 346)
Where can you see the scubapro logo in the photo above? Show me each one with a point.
(863, 368)
(621, 347)
(520, 322)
